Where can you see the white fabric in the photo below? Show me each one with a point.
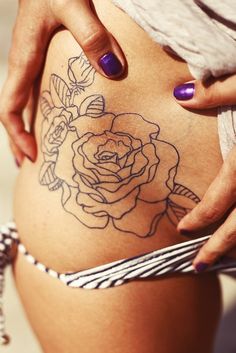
(227, 129)
(203, 33)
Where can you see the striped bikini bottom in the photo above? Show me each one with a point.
(172, 259)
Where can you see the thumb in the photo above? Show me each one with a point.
(102, 50)
(207, 94)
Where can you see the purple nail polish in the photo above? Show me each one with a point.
(110, 64)
(184, 92)
(185, 232)
(17, 163)
(201, 266)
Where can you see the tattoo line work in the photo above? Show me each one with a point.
(109, 168)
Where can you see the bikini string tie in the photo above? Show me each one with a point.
(8, 238)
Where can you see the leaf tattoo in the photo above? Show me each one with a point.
(60, 91)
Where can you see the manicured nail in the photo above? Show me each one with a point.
(110, 64)
(185, 232)
(201, 266)
(17, 163)
(184, 92)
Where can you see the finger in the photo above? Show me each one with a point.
(25, 60)
(232, 253)
(18, 155)
(98, 44)
(209, 94)
(30, 109)
(221, 242)
(13, 122)
(219, 197)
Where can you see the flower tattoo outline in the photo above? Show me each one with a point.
(108, 167)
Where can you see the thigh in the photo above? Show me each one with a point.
(168, 315)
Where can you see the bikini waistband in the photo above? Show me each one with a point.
(172, 259)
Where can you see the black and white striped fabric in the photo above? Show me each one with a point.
(172, 259)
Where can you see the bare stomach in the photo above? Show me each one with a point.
(119, 162)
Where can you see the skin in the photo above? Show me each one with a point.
(33, 32)
(35, 24)
(167, 315)
(221, 195)
(219, 198)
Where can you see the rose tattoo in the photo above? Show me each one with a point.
(109, 167)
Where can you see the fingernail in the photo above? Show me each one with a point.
(29, 158)
(185, 232)
(110, 64)
(201, 266)
(17, 163)
(184, 92)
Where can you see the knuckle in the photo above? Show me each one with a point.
(210, 96)
(210, 254)
(208, 214)
(230, 239)
(95, 40)
(5, 119)
(58, 6)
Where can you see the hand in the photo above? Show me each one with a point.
(209, 94)
(36, 21)
(221, 195)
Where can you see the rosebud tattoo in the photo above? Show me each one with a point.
(106, 170)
